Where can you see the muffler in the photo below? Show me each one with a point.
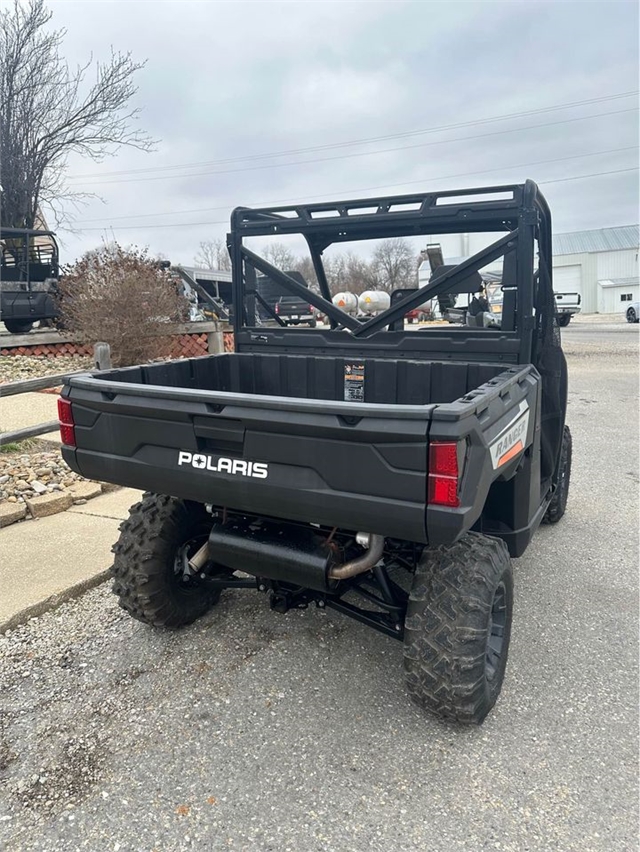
(292, 554)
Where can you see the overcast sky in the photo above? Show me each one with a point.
(231, 80)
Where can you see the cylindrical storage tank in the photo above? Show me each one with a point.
(373, 301)
(348, 302)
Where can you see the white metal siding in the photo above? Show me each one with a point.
(568, 279)
(618, 264)
(610, 298)
(587, 263)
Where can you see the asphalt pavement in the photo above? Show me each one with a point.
(255, 731)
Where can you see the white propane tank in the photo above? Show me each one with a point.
(373, 302)
(348, 302)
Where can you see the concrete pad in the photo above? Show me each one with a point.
(27, 409)
(85, 490)
(114, 504)
(43, 562)
(46, 562)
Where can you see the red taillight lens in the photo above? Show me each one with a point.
(443, 458)
(65, 416)
(443, 491)
(443, 473)
(310, 309)
(277, 309)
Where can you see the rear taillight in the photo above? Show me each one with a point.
(310, 309)
(67, 428)
(277, 309)
(444, 474)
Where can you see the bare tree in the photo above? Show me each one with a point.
(279, 256)
(394, 265)
(124, 298)
(48, 111)
(304, 265)
(213, 254)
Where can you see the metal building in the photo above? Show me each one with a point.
(602, 265)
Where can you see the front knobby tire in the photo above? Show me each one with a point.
(457, 628)
(558, 504)
(150, 573)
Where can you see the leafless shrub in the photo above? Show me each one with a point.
(124, 298)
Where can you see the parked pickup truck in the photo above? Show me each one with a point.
(568, 305)
(387, 474)
(293, 310)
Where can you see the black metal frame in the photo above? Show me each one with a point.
(390, 600)
(27, 234)
(523, 216)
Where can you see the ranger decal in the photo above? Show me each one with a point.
(510, 442)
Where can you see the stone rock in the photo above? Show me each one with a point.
(38, 487)
(4, 479)
(49, 504)
(85, 490)
(41, 471)
(11, 512)
(22, 485)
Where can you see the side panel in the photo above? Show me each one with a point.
(28, 305)
(500, 484)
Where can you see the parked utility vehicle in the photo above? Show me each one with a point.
(388, 474)
(29, 271)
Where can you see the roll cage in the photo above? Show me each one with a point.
(519, 212)
(28, 255)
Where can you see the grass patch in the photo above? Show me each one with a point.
(22, 446)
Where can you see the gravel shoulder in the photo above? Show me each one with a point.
(255, 731)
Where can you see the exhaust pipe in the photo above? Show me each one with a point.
(199, 558)
(362, 563)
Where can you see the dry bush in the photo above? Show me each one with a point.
(124, 298)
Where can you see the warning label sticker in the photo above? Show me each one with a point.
(354, 382)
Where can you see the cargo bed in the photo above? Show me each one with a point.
(344, 442)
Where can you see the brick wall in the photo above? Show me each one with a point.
(183, 346)
(51, 350)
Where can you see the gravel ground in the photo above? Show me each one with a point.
(14, 368)
(24, 475)
(255, 731)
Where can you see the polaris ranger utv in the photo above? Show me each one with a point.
(385, 473)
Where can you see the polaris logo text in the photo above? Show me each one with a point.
(237, 467)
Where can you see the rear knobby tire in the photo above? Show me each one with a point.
(558, 503)
(631, 315)
(148, 577)
(457, 628)
(564, 320)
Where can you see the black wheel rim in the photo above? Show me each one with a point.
(496, 633)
